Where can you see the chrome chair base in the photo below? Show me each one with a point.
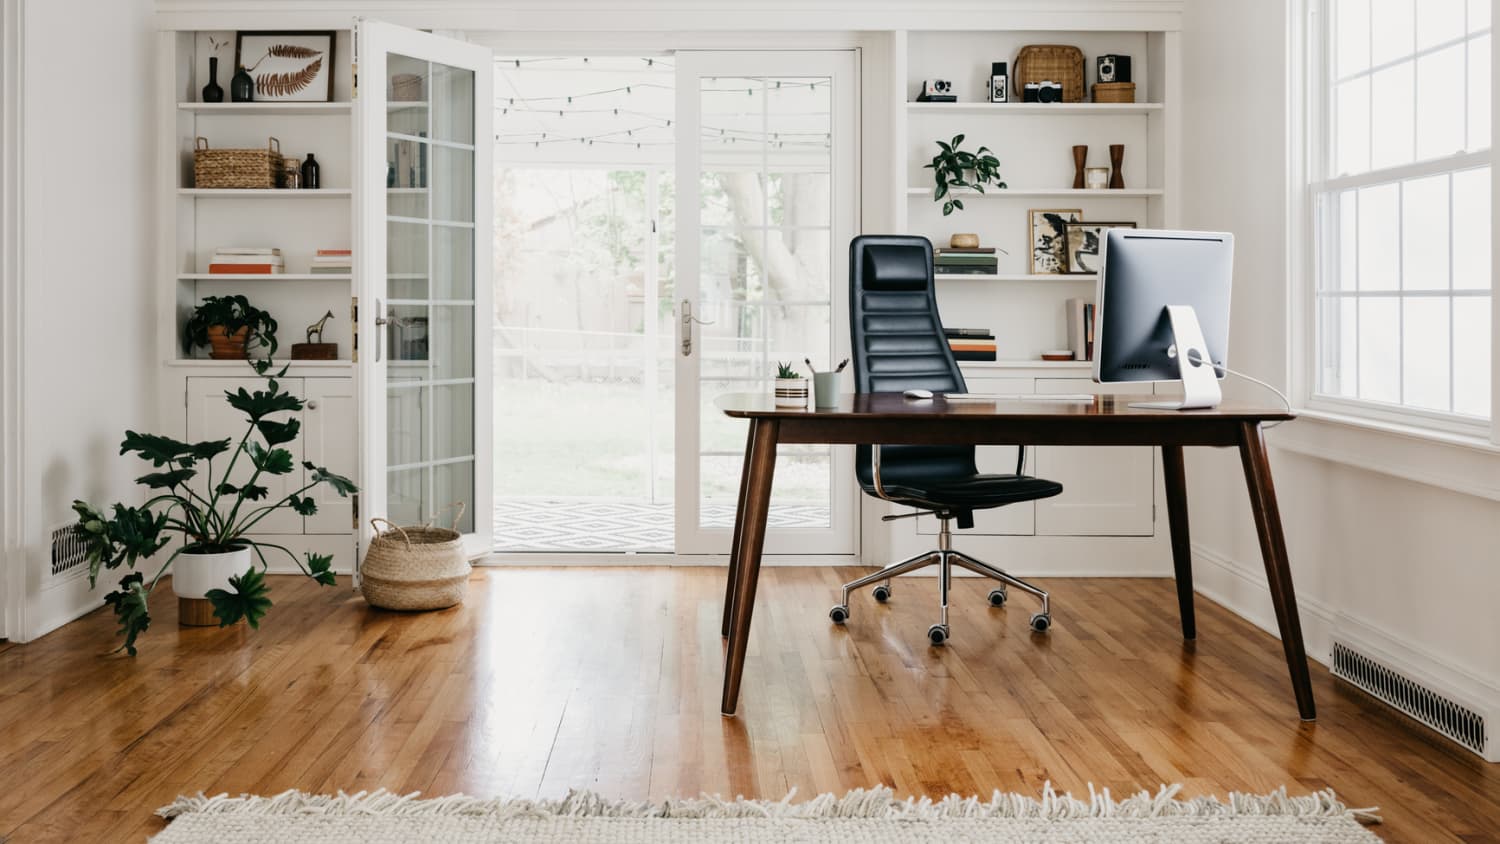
(945, 558)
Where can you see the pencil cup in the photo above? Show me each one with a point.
(825, 389)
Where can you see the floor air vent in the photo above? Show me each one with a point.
(67, 550)
(1438, 711)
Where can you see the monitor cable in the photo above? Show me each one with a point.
(1286, 402)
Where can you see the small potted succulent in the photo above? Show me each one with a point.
(956, 168)
(231, 327)
(791, 387)
(209, 516)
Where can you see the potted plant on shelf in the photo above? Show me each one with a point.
(956, 168)
(791, 388)
(213, 573)
(231, 327)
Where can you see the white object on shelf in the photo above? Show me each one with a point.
(1001, 193)
(1048, 109)
(266, 277)
(267, 108)
(265, 193)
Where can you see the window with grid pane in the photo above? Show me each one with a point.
(1402, 208)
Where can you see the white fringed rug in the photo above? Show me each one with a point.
(866, 815)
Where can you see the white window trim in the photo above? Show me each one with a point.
(1450, 455)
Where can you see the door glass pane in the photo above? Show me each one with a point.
(765, 275)
(429, 346)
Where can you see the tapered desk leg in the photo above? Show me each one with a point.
(1278, 572)
(1182, 548)
(739, 524)
(752, 541)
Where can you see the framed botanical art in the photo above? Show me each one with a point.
(1049, 229)
(1083, 241)
(288, 66)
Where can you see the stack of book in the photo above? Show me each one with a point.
(971, 343)
(333, 261)
(1081, 328)
(246, 260)
(977, 260)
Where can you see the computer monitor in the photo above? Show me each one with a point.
(1163, 311)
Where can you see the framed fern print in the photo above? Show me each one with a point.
(288, 66)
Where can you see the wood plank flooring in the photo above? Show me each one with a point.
(608, 679)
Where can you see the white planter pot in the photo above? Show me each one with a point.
(791, 392)
(195, 575)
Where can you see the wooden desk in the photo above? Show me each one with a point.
(891, 419)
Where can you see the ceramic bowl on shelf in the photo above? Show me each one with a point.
(963, 240)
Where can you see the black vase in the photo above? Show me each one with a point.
(212, 93)
(241, 87)
(310, 176)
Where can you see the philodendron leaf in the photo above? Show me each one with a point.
(158, 449)
(276, 461)
(342, 485)
(248, 600)
(227, 488)
(129, 605)
(209, 448)
(262, 403)
(276, 433)
(165, 480)
(321, 566)
(129, 535)
(254, 492)
(305, 506)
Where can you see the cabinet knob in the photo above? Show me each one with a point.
(312, 404)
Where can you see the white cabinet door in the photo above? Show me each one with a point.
(1012, 519)
(209, 417)
(1107, 490)
(330, 438)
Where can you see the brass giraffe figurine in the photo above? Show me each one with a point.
(315, 331)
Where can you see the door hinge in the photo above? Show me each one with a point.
(355, 506)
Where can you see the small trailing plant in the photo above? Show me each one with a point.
(233, 313)
(956, 168)
(209, 518)
(785, 370)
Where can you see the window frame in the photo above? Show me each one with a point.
(1310, 132)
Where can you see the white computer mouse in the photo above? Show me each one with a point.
(918, 394)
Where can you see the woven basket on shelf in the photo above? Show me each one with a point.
(1054, 62)
(1114, 92)
(237, 168)
(415, 568)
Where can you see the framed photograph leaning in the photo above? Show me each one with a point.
(1048, 252)
(1083, 241)
(288, 66)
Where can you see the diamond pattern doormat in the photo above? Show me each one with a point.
(871, 815)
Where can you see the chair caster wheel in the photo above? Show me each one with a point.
(839, 614)
(997, 598)
(937, 634)
(1040, 622)
(882, 593)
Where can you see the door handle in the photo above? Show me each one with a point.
(687, 326)
(380, 322)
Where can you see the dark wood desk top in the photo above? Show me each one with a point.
(895, 406)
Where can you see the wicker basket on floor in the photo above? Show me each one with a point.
(237, 168)
(415, 568)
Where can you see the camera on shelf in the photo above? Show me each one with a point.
(937, 91)
(1045, 91)
(1112, 68)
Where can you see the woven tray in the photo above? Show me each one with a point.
(1055, 62)
(237, 168)
(1114, 92)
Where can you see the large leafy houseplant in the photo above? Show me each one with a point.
(957, 168)
(215, 517)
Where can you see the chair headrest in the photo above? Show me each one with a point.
(892, 266)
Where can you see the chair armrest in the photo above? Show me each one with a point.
(875, 472)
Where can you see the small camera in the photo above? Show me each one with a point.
(1045, 91)
(1112, 68)
(937, 91)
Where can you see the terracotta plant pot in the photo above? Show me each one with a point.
(226, 346)
(195, 575)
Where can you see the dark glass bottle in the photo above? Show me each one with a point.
(310, 177)
(241, 87)
(212, 93)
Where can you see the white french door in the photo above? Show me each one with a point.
(765, 210)
(424, 112)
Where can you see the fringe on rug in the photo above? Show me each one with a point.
(878, 802)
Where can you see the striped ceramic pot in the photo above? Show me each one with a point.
(791, 392)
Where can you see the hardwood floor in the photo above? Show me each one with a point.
(609, 679)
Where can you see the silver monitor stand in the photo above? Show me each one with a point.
(1200, 381)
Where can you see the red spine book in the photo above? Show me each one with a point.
(242, 269)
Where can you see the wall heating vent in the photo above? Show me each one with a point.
(1438, 711)
(67, 550)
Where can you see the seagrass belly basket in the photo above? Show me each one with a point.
(415, 568)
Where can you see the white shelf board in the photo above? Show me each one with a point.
(203, 363)
(1036, 108)
(267, 108)
(1122, 193)
(1026, 364)
(264, 193)
(266, 276)
(1047, 277)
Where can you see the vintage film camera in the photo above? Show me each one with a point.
(1112, 68)
(937, 91)
(1045, 91)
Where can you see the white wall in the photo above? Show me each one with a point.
(88, 372)
(1409, 566)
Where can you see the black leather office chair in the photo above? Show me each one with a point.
(899, 345)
